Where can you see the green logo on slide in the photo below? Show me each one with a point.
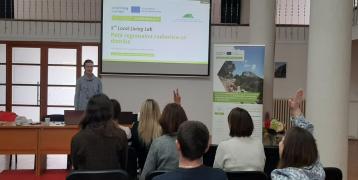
(188, 16)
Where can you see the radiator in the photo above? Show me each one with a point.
(281, 111)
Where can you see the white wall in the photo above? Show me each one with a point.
(49, 31)
(132, 91)
(295, 55)
(245, 12)
(58, 9)
(291, 47)
(353, 103)
(354, 72)
(355, 32)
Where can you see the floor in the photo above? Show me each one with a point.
(59, 161)
(27, 162)
(29, 175)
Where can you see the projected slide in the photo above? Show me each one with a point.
(155, 37)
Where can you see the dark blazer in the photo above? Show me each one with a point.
(141, 149)
(91, 149)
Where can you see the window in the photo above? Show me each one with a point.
(25, 83)
(7, 9)
(61, 61)
(2, 76)
(296, 12)
(38, 81)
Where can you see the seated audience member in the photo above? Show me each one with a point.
(100, 144)
(192, 142)
(146, 129)
(241, 152)
(162, 154)
(299, 159)
(116, 117)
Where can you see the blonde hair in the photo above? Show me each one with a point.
(149, 127)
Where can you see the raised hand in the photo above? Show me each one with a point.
(294, 103)
(176, 96)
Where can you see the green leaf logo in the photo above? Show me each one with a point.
(188, 16)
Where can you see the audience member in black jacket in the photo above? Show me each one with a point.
(146, 129)
(100, 144)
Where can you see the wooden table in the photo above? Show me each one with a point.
(36, 139)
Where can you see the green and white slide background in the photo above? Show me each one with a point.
(156, 31)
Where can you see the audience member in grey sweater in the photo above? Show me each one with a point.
(162, 154)
(299, 159)
(192, 142)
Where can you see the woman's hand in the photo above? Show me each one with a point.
(294, 103)
(176, 96)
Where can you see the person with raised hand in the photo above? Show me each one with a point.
(162, 154)
(299, 157)
(297, 117)
(176, 96)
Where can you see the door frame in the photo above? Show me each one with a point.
(44, 47)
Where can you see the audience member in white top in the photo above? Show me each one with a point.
(241, 152)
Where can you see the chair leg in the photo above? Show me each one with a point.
(35, 163)
(10, 161)
(69, 163)
(15, 161)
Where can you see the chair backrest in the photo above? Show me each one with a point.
(209, 157)
(98, 175)
(132, 164)
(272, 158)
(152, 174)
(246, 175)
(333, 173)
